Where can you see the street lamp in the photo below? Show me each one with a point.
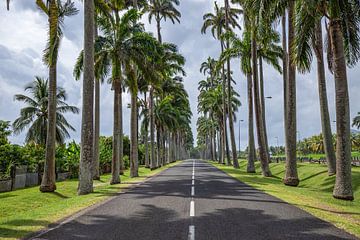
(277, 145)
(239, 134)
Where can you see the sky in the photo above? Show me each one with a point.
(23, 35)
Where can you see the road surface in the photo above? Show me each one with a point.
(194, 200)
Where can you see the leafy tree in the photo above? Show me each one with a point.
(4, 132)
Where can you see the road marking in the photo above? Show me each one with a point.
(192, 191)
(192, 208)
(191, 235)
(193, 182)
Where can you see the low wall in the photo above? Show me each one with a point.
(5, 186)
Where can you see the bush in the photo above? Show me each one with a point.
(126, 161)
(34, 155)
(10, 155)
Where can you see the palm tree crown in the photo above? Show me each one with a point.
(34, 116)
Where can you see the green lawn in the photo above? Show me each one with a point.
(318, 156)
(313, 194)
(25, 211)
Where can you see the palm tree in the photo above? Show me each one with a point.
(56, 12)
(303, 57)
(242, 49)
(162, 10)
(209, 67)
(144, 47)
(34, 116)
(87, 124)
(115, 52)
(230, 112)
(356, 121)
(344, 49)
(218, 23)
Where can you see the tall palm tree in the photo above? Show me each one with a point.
(217, 22)
(34, 116)
(87, 123)
(230, 112)
(255, 28)
(343, 50)
(162, 10)
(116, 52)
(303, 57)
(144, 47)
(56, 11)
(209, 67)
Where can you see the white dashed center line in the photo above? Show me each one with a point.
(191, 235)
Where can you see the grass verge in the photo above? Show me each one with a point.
(314, 194)
(25, 211)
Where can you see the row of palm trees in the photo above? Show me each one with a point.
(301, 29)
(118, 49)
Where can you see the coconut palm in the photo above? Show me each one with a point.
(56, 11)
(34, 116)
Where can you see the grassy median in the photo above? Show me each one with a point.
(25, 211)
(314, 193)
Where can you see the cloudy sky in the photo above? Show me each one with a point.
(23, 33)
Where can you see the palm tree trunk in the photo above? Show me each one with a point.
(158, 27)
(285, 60)
(121, 138)
(115, 164)
(134, 136)
(324, 109)
(219, 146)
(146, 140)
(264, 161)
(343, 186)
(291, 175)
(214, 144)
(152, 130)
(48, 179)
(229, 95)
(263, 104)
(226, 144)
(87, 124)
(96, 166)
(230, 112)
(251, 144)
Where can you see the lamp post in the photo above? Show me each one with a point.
(239, 134)
(277, 145)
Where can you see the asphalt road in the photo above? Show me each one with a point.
(194, 200)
